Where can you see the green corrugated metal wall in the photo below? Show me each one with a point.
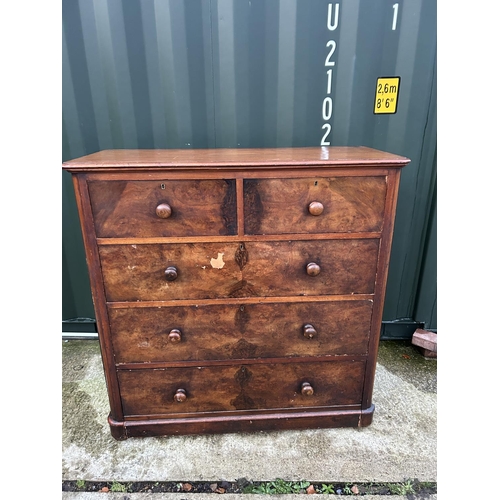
(254, 73)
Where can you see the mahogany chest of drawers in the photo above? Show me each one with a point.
(237, 290)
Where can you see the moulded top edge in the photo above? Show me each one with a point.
(112, 159)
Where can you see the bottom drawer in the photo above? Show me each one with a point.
(241, 387)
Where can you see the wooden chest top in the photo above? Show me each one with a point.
(165, 159)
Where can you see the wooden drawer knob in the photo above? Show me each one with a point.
(163, 211)
(309, 331)
(313, 269)
(315, 208)
(171, 273)
(174, 336)
(180, 396)
(307, 390)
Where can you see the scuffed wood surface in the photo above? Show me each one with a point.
(273, 269)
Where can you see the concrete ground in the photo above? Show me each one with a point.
(400, 444)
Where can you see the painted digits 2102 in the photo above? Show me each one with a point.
(332, 22)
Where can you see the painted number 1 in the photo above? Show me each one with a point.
(395, 16)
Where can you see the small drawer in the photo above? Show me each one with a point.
(240, 331)
(142, 209)
(241, 387)
(256, 268)
(314, 205)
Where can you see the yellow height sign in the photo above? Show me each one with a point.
(386, 95)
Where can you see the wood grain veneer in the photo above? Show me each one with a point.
(240, 331)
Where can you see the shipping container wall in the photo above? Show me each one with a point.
(258, 73)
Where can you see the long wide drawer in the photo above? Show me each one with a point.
(241, 387)
(314, 205)
(144, 209)
(246, 269)
(238, 331)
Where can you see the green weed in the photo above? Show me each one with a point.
(327, 489)
(278, 487)
(118, 487)
(401, 488)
